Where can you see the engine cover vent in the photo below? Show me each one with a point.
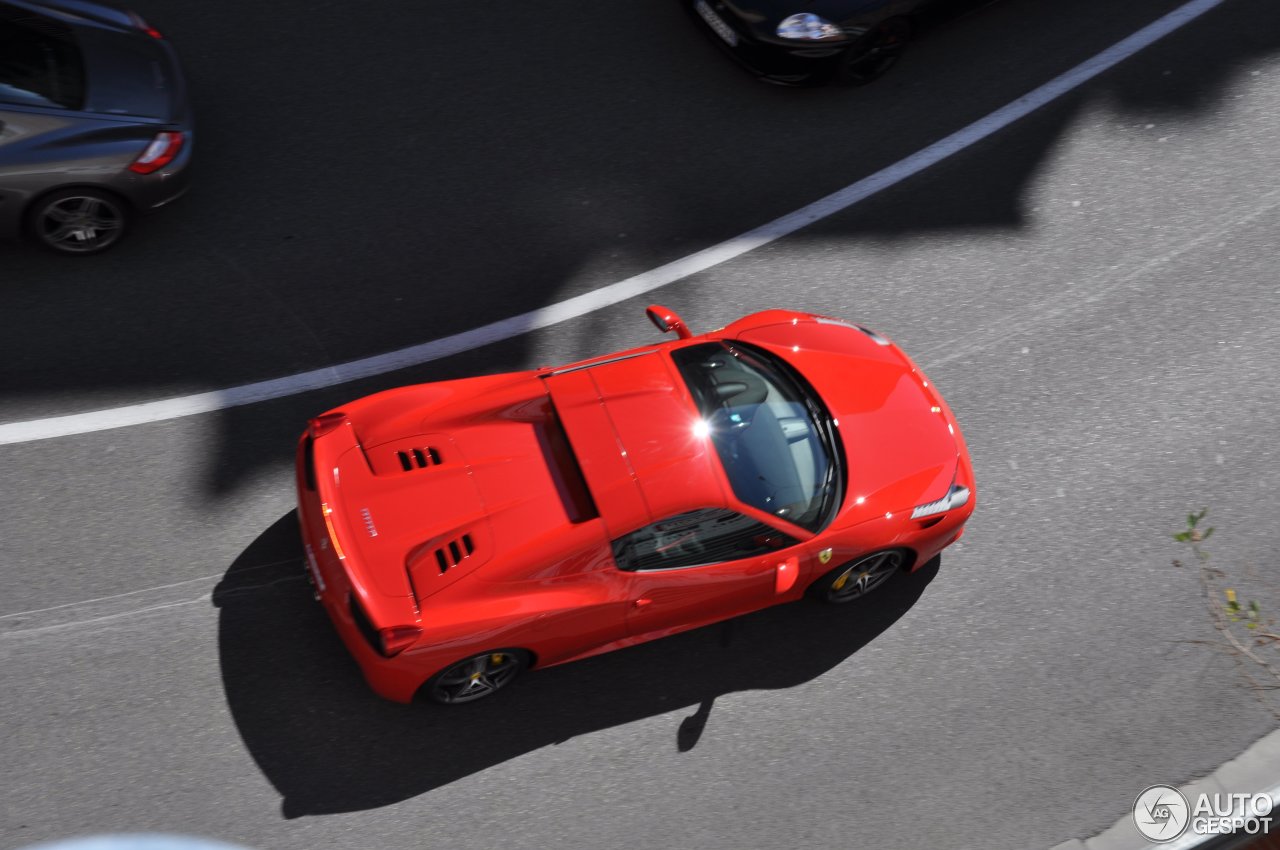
(454, 552)
(418, 458)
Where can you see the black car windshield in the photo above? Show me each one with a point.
(40, 63)
(772, 433)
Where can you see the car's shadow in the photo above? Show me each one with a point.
(328, 744)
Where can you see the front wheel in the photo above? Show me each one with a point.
(476, 677)
(859, 577)
(872, 55)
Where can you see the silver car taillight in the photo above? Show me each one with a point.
(162, 150)
(144, 26)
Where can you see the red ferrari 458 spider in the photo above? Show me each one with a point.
(461, 532)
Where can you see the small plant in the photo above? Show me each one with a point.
(1227, 613)
(1194, 535)
(1235, 613)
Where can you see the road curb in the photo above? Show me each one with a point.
(1256, 770)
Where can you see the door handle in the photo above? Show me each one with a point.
(785, 575)
(640, 603)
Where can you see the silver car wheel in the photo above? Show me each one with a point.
(79, 222)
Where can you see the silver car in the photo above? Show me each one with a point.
(94, 123)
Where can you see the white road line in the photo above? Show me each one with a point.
(607, 296)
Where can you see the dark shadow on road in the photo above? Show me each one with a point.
(379, 182)
(328, 744)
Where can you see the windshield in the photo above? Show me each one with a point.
(771, 431)
(40, 64)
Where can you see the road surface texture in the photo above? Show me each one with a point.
(1094, 289)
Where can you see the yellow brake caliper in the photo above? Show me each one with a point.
(844, 579)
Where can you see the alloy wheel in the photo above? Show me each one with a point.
(80, 223)
(863, 576)
(476, 677)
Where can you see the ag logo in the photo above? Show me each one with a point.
(1161, 813)
(824, 556)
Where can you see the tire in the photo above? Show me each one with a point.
(857, 578)
(871, 56)
(78, 222)
(477, 677)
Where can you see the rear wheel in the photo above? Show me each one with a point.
(78, 221)
(476, 677)
(857, 578)
(875, 52)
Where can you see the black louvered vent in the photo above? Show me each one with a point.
(452, 553)
(418, 458)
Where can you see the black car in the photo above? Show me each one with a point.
(811, 42)
(94, 123)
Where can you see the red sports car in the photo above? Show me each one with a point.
(461, 532)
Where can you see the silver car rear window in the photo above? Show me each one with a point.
(40, 62)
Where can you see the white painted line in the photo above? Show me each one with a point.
(607, 296)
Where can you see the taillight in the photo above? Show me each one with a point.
(163, 148)
(397, 639)
(144, 26)
(322, 425)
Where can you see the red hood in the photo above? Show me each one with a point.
(901, 448)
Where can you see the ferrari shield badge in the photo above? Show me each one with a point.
(824, 556)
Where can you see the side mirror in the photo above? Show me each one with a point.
(667, 320)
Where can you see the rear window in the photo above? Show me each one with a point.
(40, 62)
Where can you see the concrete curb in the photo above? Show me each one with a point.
(1256, 770)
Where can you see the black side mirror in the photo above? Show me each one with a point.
(667, 320)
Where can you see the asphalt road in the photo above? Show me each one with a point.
(1094, 290)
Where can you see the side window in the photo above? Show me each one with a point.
(706, 536)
